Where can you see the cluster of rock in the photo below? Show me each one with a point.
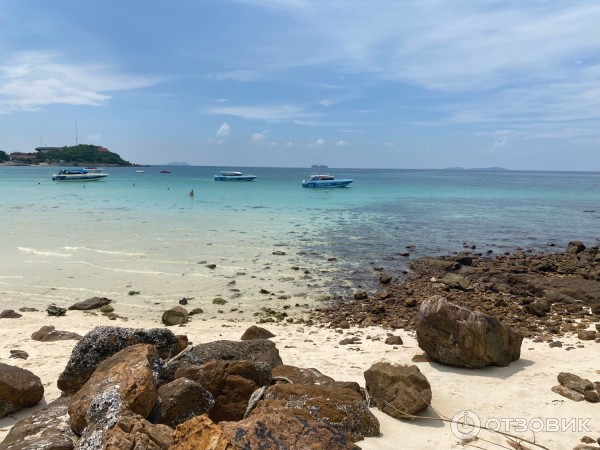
(576, 388)
(543, 295)
(129, 389)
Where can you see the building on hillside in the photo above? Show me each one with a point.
(103, 149)
(47, 149)
(15, 156)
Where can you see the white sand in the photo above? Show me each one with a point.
(519, 391)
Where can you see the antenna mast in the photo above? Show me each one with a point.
(76, 134)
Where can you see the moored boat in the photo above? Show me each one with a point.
(234, 176)
(165, 171)
(77, 175)
(139, 171)
(326, 181)
(93, 169)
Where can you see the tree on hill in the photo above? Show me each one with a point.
(82, 153)
(3, 156)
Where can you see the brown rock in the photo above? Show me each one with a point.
(200, 433)
(50, 334)
(260, 350)
(343, 409)
(398, 390)
(19, 388)
(299, 375)
(90, 303)
(421, 358)
(477, 340)
(344, 325)
(129, 373)
(575, 247)
(361, 295)
(175, 316)
(587, 335)
(385, 278)
(182, 343)
(574, 382)
(568, 393)
(591, 396)
(429, 265)
(253, 333)
(231, 383)
(588, 440)
(538, 308)
(19, 354)
(181, 400)
(46, 429)
(394, 340)
(9, 314)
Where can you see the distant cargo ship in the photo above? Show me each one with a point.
(316, 166)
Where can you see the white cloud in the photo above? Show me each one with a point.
(31, 80)
(246, 76)
(289, 144)
(258, 138)
(93, 138)
(221, 100)
(325, 102)
(224, 130)
(268, 113)
(340, 143)
(320, 141)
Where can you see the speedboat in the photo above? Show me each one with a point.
(165, 171)
(78, 175)
(139, 171)
(326, 181)
(234, 176)
(93, 169)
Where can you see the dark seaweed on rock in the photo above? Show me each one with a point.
(103, 342)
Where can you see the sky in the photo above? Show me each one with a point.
(290, 83)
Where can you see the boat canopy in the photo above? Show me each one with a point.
(73, 171)
(321, 177)
(231, 174)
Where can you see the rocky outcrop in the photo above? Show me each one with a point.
(175, 316)
(456, 336)
(340, 408)
(129, 374)
(434, 266)
(90, 303)
(231, 383)
(54, 310)
(180, 401)
(298, 375)
(253, 333)
(49, 334)
(19, 388)
(456, 281)
(575, 247)
(261, 350)
(265, 428)
(46, 429)
(398, 390)
(103, 342)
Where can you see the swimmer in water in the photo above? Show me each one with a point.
(192, 193)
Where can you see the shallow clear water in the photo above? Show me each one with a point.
(145, 224)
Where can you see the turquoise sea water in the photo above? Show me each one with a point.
(367, 224)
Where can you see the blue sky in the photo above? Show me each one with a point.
(348, 83)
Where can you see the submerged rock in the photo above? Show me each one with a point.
(260, 350)
(19, 388)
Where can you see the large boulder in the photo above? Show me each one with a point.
(175, 316)
(261, 350)
(575, 382)
(460, 337)
(433, 266)
(49, 334)
(231, 383)
(253, 333)
(398, 390)
(179, 401)
(103, 342)
(19, 388)
(265, 428)
(341, 408)
(299, 375)
(90, 303)
(46, 429)
(129, 373)
(112, 426)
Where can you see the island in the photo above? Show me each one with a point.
(177, 164)
(490, 169)
(82, 154)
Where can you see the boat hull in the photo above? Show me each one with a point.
(89, 177)
(326, 183)
(242, 178)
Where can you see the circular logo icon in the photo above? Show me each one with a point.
(465, 424)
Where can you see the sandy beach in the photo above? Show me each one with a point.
(521, 390)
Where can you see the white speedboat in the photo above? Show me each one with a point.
(77, 175)
(139, 171)
(325, 181)
(93, 169)
(234, 176)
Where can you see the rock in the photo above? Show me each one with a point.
(9, 314)
(587, 335)
(555, 344)
(398, 390)
(112, 426)
(19, 388)
(456, 281)
(103, 342)
(175, 316)
(49, 334)
(129, 373)
(231, 383)
(574, 382)
(538, 308)
(347, 341)
(182, 343)
(260, 350)
(219, 301)
(591, 396)
(421, 358)
(588, 440)
(196, 311)
(429, 265)
(184, 301)
(575, 247)
(46, 429)
(456, 336)
(384, 278)
(253, 333)
(180, 401)
(54, 310)
(344, 325)
(90, 303)
(394, 340)
(362, 295)
(341, 408)
(279, 253)
(25, 309)
(19, 354)
(568, 393)
(265, 428)
(299, 375)
(585, 447)
(107, 309)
